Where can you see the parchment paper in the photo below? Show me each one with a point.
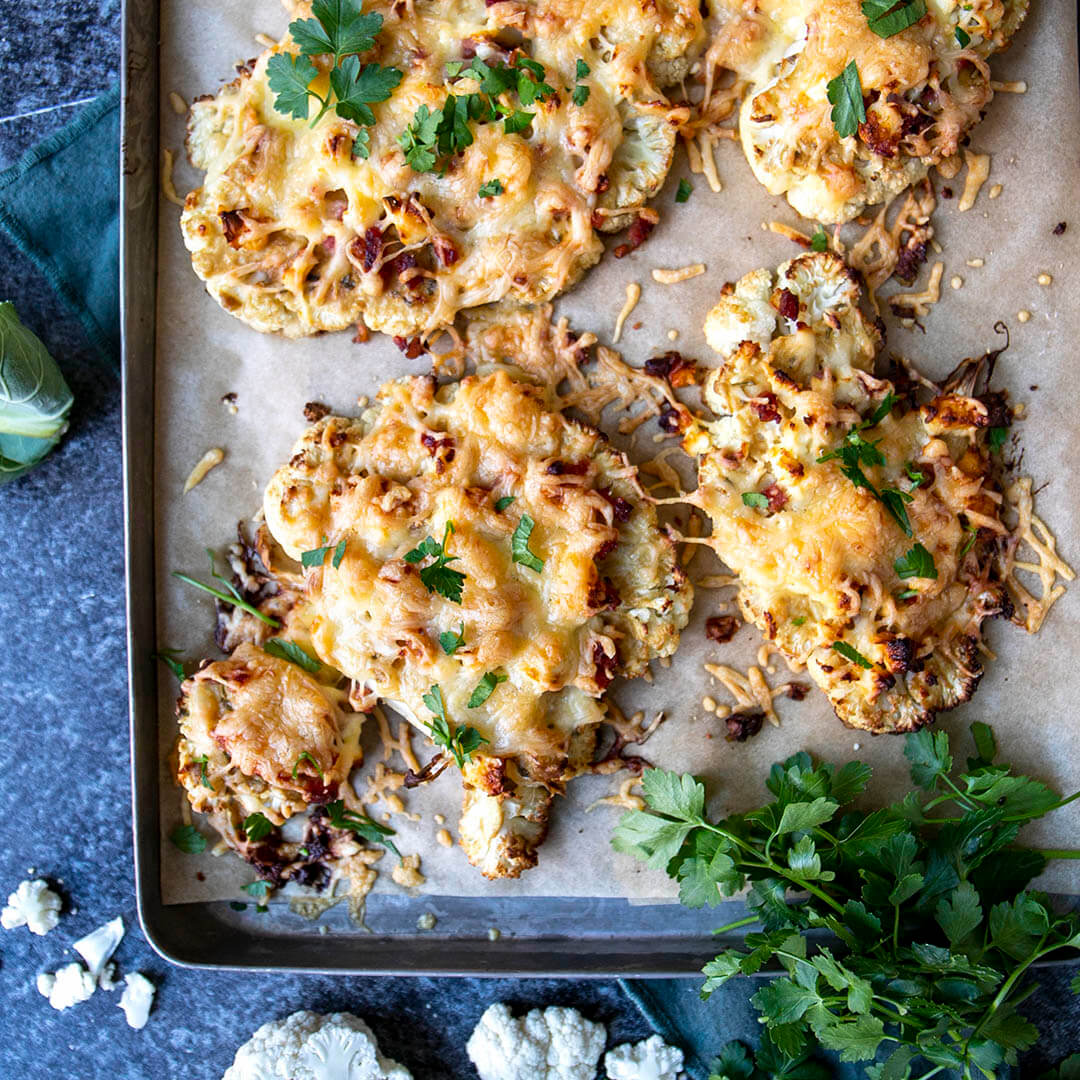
(1030, 693)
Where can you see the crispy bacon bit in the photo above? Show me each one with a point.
(602, 183)
(765, 407)
(777, 497)
(232, 225)
(910, 259)
(597, 222)
(411, 347)
(622, 508)
(436, 446)
(363, 334)
(1059, 228)
(670, 419)
(636, 235)
(314, 411)
(372, 247)
(605, 666)
(721, 628)
(563, 468)
(445, 250)
(743, 725)
(673, 366)
(796, 690)
(946, 192)
(603, 595)
(788, 304)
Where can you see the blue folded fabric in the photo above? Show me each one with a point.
(60, 206)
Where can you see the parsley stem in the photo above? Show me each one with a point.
(322, 112)
(225, 598)
(748, 921)
(1053, 853)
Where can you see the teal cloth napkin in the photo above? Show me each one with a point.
(59, 205)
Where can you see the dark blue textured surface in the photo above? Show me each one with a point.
(62, 694)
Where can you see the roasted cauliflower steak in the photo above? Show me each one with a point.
(299, 229)
(564, 580)
(822, 483)
(923, 90)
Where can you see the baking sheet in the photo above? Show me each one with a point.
(1028, 693)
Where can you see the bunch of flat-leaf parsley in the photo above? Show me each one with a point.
(922, 923)
(341, 31)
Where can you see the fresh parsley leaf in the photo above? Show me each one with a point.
(928, 753)
(339, 28)
(438, 576)
(188, 839)
(886, 406)
(168, 658)
(580, 94)
(889, 17)
(452, 640)
(849, 652)
(203, 761)
(504, 502)
(677, 796)
(289, 77)
(357, 87)
(462, 742)
(845, 95)
(485, 688)
(419, 140)
(798, 620)
(995, 438)
(490, 189)
(907, 594)
(684, 191)
(893, 500)
(517, 121)
(755, 499)
(581, 69)
(317, 556)
(310, 759)
(361, 824)
(963, 38)
(917, 562)
(259, 889)
(284, 649)
(519, 545)
(916, 476)
(453, 69)
(256, 827)
(820, 240)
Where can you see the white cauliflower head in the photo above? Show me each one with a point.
(313, 1046)
(652, 1059)
(744, 313)
(547, 1044)
(33, 905)
(68, 986)
(136, 999)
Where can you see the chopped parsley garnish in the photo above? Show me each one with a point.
(452, 640)
(889, 17)
(437, 576)
(491, 189)
(893, 500)
(340, 30)
(188, 839)
(284, 649)
(820, 240)
(916, 476)
(685, 190)
(888, 403)
(798, 620)
(310, 759)
(580, 94)
(519, 545)
(517, 121)
(504, 502)
(203, 761)
(317, 556)
(969, 543)
(756, 499)
(361, 824)
(259, 889)
(485, 688)
(907, 594)
(256, 827)
(848, 652)
(462, 742)
(168, 658)
(963, 38)
(581, 69)
(232, 597)
(845, 96)
(995, 438)
(917, 563)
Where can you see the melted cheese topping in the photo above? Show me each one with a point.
(292, 233)
(609, 598)
(816, 565)
(922, 93)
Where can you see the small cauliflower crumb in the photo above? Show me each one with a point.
(444, 838)
(426, 921)
(1045, 279)
(652, 1059)
(708, 703)
(407, 872)
(69, 986)
(136, 1000)
(956, 282)
(547, 1044)
(1023, 316)
(673, 335)
(440, 819)
(33, 905)
(494, 933)
(976, 263)
(995, 191)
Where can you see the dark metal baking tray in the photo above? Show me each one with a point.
(556, 936)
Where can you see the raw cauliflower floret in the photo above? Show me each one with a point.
(314, 1046)
(136, 1000)
(68, 986)
(744, 314)
(33, 905)
(547, 1044)
(652, 1059)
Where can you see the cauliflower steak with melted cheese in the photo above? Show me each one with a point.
(501, 566)
(299, 229)
(862, 526)
(923, 90)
